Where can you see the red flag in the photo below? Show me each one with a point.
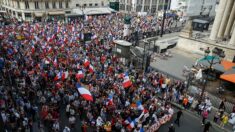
(86, 63)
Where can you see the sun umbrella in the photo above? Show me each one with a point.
(229, 75)
(222, 67)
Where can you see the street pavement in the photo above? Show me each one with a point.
(174, 65)
(188, 123)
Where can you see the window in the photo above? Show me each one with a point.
(19, 14)
(54, 5)
(60, 4)
(67, 4)
(90, 4)
(36, 5)
(67, 12)
(18, 4)
(84, 5)
(77, 5)
(46, 5)
(102, 3)
(27, 14)
(96, 4)
(26, 5)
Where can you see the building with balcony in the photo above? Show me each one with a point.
(149, 6)
(194, 7)
(221, 35)
(44, 9)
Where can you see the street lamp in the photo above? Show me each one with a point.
(82, 9)
(218, 54)
(163, 23)
(143, 62)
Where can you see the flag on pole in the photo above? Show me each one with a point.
(86, 63)
(58, 85)
(65, 75)
(121, 75)
(80, 74)
(131, 125)
(139, 105)
(55, 63)
(78, 66)
(110, 100)
(33, 49)
(127, 121)
(91, 69)
(49, 49)
(58, 76)
(84, 92)
(127, 82)
(199, 74)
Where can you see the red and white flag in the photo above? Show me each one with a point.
(80, 74)
(85, 93)
(127, 82)
(33, 49)
(91, 69)
(55, 63)
(65, 75)
(86, 63)
(58, 76)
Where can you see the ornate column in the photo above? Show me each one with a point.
(230, 22)
(225, 18)
(157, 6)
(133, 4)
(143, 4)
(218, 19)
(125, 5)
(232, 40)
(150, 6)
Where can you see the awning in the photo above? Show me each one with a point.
(229, 75)
(122, 42)
(227, 64)
(56, 13)
(97, 11)
(72, 15)
(38, 14)
(77, 11)
(222, 67)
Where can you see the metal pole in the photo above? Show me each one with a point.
(207, 75)
(168, 4)
(157, 7)
(163, 23)
(143, 58)
(189, 80)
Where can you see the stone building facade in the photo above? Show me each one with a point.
(224, 23)
(29, 9)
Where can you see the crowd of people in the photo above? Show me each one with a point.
(42, 65)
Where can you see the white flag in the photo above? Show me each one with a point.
(199, 74)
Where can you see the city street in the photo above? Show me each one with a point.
(189, 123)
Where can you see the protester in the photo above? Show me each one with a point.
(49, 66)
(171, 128)
(207, 127)
(224, 120)
(216, 116)
(222, 104)
(179, 114)
(204, 116)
